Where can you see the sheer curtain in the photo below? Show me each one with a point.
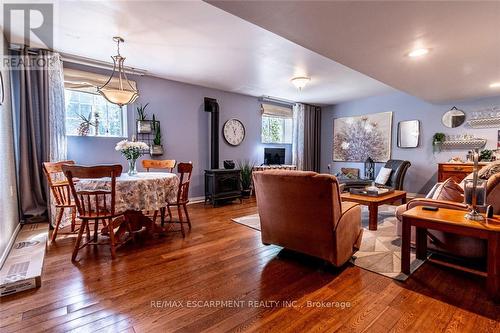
(40, 119)
(306, 141)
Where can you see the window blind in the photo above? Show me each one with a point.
(272, 110)
(88, 82)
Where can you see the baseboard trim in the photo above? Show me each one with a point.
(196, 200)
(12, 239)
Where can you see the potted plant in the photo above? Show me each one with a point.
(485, 155)
(156, 147)
(84, 127)
(143, 125)
(246, 168)
(437, 141)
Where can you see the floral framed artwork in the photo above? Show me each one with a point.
(359, 137)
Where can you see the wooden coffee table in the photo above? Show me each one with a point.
(452, 221)
(374, 202)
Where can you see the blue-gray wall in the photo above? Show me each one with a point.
(423, 172)
(184, 125)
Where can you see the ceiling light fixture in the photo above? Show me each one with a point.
(118, 89)
(418, 53)
(300, 82)
(495, 85)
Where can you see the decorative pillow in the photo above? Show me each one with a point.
(489, 170)
(383, 176)
(449, 191)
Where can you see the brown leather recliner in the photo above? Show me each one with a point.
(302, 211)
(455, 245)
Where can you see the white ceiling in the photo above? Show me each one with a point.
(373, 38)
(195, 42)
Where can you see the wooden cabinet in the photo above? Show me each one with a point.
(455, 171)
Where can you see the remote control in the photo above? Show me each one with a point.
(431, 208)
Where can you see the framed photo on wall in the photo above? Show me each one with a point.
(359, 137)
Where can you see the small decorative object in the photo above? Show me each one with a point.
(408, 133)
(143, 125)
(372, 187)
(125, 93)
(453, 118)
(485, 155)
(234, 132)
(132, 150)
(358, 137)
(437, 141)
(474, 192)
(229, 164)
(156, 147)
(455, 159)
(84, 127)
(246, 168)
(369, 168)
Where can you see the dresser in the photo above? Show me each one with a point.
(455, 171)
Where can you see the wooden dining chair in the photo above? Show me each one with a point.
(94, 205)
(185, 170)
(59, 187)
(159, 164)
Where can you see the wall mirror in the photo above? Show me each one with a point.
(408, 133)
(453, 118)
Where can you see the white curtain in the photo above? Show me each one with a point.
(298, 136)
(57, 111)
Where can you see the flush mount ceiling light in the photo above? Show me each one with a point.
(118, 89)
(300, 82)
(495, 85)
(418, 53)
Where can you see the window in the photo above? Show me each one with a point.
(276, 124)
(84, 109)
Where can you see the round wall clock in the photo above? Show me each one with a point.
(234, 132)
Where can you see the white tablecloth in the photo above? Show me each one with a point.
(144, 191)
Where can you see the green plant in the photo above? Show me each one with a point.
(157, 138)
(437, 140)
(84, 127)
(485, 155)
(141, 112)
(246, 168)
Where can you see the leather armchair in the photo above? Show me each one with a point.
(449, 243)
(302, 211)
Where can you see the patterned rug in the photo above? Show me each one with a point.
(380, 250)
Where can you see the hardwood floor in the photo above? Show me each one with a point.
(220, 260)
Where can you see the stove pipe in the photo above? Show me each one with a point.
(212, 106)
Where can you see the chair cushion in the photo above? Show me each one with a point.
(449, 191)
(383, 176)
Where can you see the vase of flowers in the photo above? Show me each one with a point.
(132, 150)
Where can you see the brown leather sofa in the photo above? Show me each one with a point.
(302, 211)
(453, 244)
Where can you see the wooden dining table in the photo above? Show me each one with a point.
(145, 191)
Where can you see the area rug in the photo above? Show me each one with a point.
(380, 250)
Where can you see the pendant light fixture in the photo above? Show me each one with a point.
(118, 89)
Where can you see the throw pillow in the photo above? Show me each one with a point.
(449, 191)
(489, 170)
(383, 176)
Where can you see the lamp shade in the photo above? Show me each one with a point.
(300, 82)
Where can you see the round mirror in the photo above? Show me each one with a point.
(453, 118)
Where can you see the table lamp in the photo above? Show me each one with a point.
(474, 192)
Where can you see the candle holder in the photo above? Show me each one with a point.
(475, 196)
(474, 192)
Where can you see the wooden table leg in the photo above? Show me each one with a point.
(405, 247)
(373, 216)
(421, 243)
(493, 278)
(403, 199)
